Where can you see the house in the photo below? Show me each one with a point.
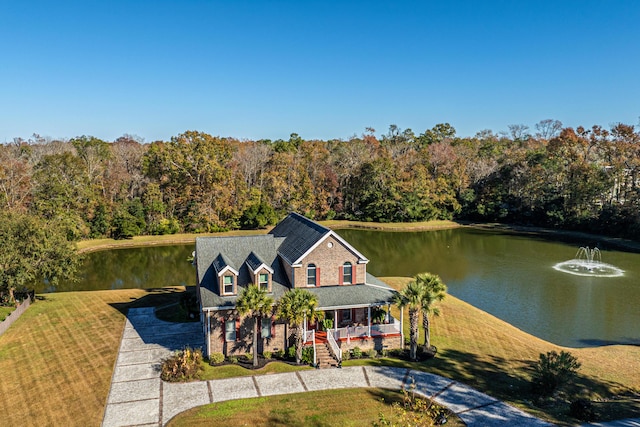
(296, 253)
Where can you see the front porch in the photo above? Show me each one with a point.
(365, 327)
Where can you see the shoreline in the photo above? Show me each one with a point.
(88, 246)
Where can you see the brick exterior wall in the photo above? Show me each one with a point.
(243, 342)
(329, 257)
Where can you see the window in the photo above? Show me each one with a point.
(230, 330)
(346, 272)
(346, 315)
(228, 285)
(265, 330)
(263, 281)
(311, 275)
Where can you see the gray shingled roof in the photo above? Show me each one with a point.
(301, 234)
(289, 240)
(254, 261)
(236, 251)
(374, 292)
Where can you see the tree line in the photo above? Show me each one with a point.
(551, 176)
(556, 177)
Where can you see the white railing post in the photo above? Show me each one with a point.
(313, 338)
(333, 346)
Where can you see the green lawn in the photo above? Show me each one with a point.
(5, 311)
(348, 407)
(57, 359)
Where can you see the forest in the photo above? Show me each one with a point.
(557, 177)
(56, 192)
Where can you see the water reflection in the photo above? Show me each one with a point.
(149, 267)
(512, 277)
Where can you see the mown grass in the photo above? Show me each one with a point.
(57, 359)
(493, 356)
(230, 371)
(347, 407)
(5, 311)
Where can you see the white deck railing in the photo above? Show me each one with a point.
(333, 347)
(363, 331)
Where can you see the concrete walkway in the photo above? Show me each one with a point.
(139, 398)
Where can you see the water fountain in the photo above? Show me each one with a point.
(588, 262)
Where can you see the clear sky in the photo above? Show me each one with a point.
(322, 69)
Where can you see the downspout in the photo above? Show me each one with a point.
(369, 321)
(208, 327)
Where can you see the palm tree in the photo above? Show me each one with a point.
(411, 296)
(294, 307)
(433, 289)
(255, 302)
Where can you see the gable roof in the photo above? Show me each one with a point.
(217, 254)
(302, 235)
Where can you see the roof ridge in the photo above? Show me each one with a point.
(308, 221)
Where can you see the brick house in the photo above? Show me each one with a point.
(296, 253)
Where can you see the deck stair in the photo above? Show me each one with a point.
(323, 354)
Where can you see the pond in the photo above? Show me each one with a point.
(512, 277)
(508, 275)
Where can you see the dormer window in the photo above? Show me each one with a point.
(347, 273)
(311, 275)
(263, 281)
(228, 285)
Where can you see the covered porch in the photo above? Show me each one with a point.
(348, 323)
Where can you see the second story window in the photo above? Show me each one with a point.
(227, 285)
(263, 282)
(311, 275)
(347, 275)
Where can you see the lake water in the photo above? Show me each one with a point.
(510, 276)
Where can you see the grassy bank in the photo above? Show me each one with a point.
(493, 356)
(185, 238)
(57, 359)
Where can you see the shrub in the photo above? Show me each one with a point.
(291, 352)
(182, 366)
(266, 354)
(582, 409)
(216, 358)
(233, 359)
(346, 355)
(279, 354)
(248, 356)
(357, 352)
(307, 355)
(372, 353)
(552, 370)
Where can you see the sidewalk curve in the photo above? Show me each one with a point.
(138, 396)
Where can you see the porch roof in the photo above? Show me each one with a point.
(373, 292)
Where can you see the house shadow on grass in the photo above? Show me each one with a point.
(152, 330)
(511, 381)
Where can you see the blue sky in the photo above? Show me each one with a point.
(322, 69)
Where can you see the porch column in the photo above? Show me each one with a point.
(388, 313)
(369, 321)
(304, 329)
(401, 327)
(335, 321)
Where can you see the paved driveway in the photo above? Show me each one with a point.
(139, 398)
